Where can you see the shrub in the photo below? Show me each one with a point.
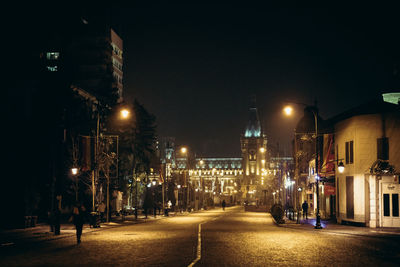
(277, 213)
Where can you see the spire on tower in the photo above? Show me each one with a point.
(253, 128)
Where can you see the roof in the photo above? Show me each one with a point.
(253, 128)
(307, 123)
(375, 106)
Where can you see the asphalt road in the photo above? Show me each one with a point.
(227, 238)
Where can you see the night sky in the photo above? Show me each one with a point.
(195, 66)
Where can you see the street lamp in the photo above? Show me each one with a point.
(74, 171)
(184, 152)
(201, 162)
(125, 113)
(341, 167)
(288, 111)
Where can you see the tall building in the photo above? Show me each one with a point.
(254, 150)
(88, 54)
(117, 61)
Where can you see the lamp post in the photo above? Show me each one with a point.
(74, 172)
(123, 114)
(184, 152)
(201, 162)
(340, 166)
(288, 111)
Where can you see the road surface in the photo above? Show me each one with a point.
(208, 238)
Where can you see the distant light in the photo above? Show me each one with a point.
(262, 150)
(183, 150)
(74, 171)
(179, 186)
(125, 113)
(288, 110)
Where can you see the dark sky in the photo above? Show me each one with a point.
(195, 66)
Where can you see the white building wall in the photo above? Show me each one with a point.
(364, 130)
(359, 198)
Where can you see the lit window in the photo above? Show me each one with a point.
(52, 55)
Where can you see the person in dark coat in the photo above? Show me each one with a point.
(223, 204)
(304, 206)
(57, 215)
(78, 220)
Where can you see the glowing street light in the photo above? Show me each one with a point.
(125, 113)
(183, 150)
(74, 171)
(340, 167)
(288, 110)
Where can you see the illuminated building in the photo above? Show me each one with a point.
(254, 150)
(368, 139)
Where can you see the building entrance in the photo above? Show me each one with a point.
(390, 205)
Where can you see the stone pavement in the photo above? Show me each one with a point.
(41, 232)
(333, 227)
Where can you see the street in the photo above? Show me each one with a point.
(227, 238)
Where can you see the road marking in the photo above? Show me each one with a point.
(198, 248)
(198, 256)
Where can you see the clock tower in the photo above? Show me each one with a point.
(254, 150)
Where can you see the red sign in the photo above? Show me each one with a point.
(329, 190)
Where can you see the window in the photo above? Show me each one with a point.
(350, 197)
(349, 152)
(52, 55)
(395, 205)
(383, 148)
(386, 205)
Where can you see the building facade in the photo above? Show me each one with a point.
(368, 139)
(254, 156)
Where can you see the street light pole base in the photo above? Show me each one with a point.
(318, 226)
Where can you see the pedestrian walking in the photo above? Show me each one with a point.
(223, 204)
(102, 209)
(57, 215)
(304, 206)
(78, 215)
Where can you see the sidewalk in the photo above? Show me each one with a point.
(41, 232)
(331, 226)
